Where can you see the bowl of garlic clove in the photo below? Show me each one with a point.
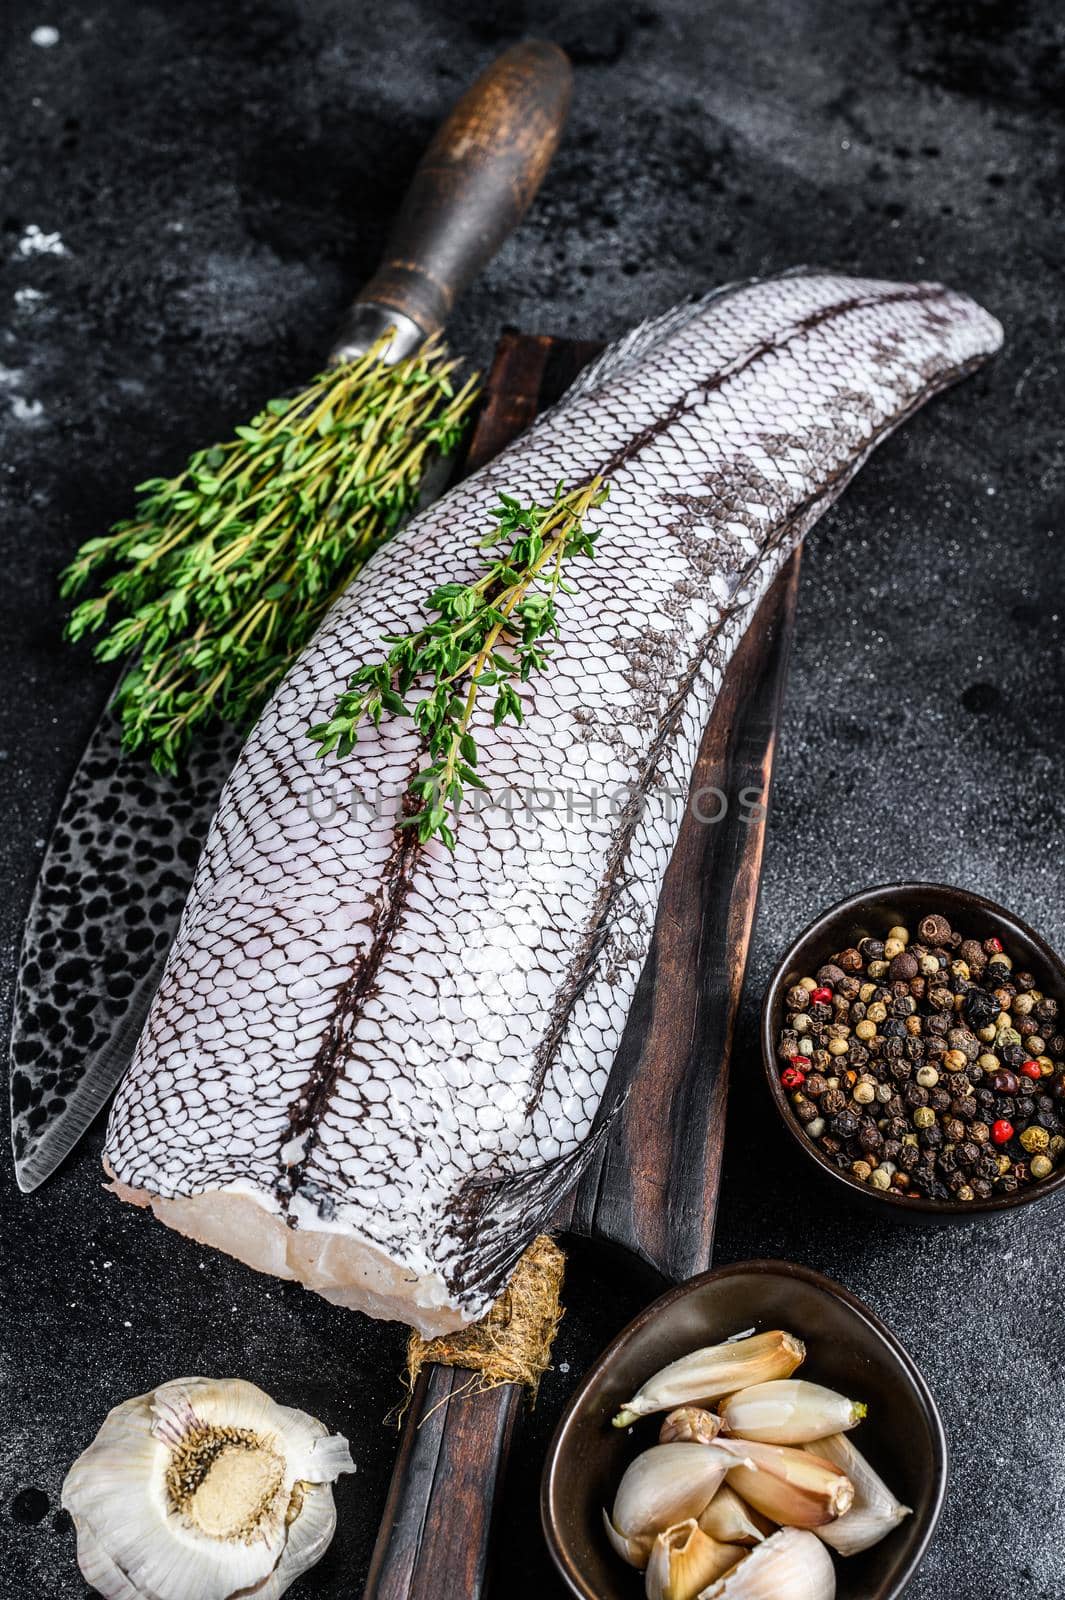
(754, 1434)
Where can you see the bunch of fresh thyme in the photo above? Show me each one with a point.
(224, 572)
(487, 635)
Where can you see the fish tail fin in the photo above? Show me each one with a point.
(496, 1218)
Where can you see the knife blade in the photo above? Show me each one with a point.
(105, 909)
(123, 852)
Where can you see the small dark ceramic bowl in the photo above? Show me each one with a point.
(872, 913)
(848, 1348)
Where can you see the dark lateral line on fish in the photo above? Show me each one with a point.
(318, 1090)
(398, 874)
(612, 878)
(700, 392)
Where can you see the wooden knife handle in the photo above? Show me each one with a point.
(435, 1535)
(474, 183)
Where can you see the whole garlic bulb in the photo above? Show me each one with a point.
(204, 1489)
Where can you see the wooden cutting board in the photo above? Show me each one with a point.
(652, 1187)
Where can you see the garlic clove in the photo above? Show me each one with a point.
(668, 1484)
(789, 1411)
(684, 1560)
(790, 1565)
(875, 1511)
(637, 1551)
(790, 1485)
(692, 1424)
(201, 1490)
(732, 1521)
(715, 1371)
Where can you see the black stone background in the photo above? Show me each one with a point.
(222, 175)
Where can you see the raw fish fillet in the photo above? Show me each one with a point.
(375, 1066)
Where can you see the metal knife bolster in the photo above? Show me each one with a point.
(366, 323)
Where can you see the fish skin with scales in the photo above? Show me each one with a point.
(375, 1066)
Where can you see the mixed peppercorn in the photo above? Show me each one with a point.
(928, 1066)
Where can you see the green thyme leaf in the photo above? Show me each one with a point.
(485, 636)
(224, 572)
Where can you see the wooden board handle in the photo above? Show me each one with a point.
(474, 183)
(435, 1535)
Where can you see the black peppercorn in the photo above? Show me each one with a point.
(980, 1009)
(845, 1125)
(904, 967)
(833, 1101)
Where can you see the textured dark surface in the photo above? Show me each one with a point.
(222, 176)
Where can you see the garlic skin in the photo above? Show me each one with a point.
(684, 1560)
(791, 1565)
(789, 1411)
(875, 1511)
(203, 1489)
(717, 1370)
(731, 1520)
(666, 1484)
(692, 1424)
(789, 1485)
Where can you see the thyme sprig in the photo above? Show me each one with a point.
(222, 575)
(488, 635)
